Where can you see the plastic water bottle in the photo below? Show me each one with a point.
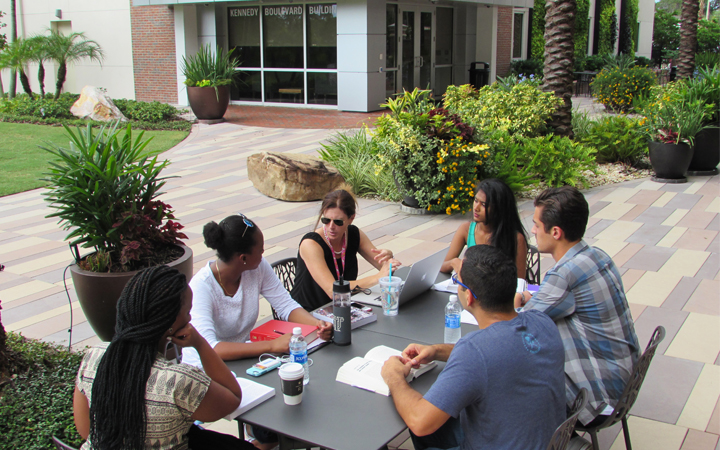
(298, 352)
(452, 320)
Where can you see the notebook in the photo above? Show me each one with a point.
(421, 277)
(253, 394)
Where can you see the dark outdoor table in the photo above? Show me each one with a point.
(335, 415)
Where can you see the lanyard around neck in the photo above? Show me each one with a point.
(342, 253)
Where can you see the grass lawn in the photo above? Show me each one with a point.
(23, 163)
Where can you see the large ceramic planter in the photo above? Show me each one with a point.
(707, 152)
(206, 104)
(670, 161)
(98, 293)
(408, 200)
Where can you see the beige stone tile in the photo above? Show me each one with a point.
(619, 231)
(626, 253)
(42, 316)
(675, 217)
(649, 185)
(652, 288)
(613, 211)
(620, 194)
(714, 206)
(695, 239)
(276, 208)
(705, 298)
(697, 339)
(20, 244)
(648, 434)
(177, 193)
(695, 186)
(662, 201)
(286, 227)
(714, 425)
(273, 250)
(399, 244)
(183, 173)
(636, 310)
(612, 248)
(11, 218)
(40, 229)
(630, 277)
(671, 237)
(697, 440)
(40, 263)
(376, 216)
(684, 262)
(415, 230)
(701, 403)
(23, 290)
(236, 187)
(697, 219)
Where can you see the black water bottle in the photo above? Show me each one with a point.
(341, 310)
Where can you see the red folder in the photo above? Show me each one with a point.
(275, 328)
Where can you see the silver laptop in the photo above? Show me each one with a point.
(421, 277)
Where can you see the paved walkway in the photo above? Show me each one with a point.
(663, 237)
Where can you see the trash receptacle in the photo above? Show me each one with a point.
(479, 74)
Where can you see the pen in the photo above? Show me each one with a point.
(278, 332)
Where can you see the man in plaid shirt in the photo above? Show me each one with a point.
(584, 295)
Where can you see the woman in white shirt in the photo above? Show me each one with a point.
(227, 293)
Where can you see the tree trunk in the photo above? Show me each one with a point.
(688, 38)
(3, 350)
(26, 84)
(559, 60)
(13, 37)
(41, 78)
(62, 72)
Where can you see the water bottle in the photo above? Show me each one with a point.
(342, 324)
(452, 320)
(298, 352)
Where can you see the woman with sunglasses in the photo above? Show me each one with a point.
(228, 289)
(122, 399)
(495, 222)
(331, 251)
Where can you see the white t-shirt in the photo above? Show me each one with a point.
(219, 318)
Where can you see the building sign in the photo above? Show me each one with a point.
(283, 10)
(322, 10)
(244, 12)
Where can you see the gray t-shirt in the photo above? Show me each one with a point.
(506, 383)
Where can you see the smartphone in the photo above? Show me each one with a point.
(361, 307)
(264, 366)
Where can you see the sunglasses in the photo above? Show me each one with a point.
(458, 282)
(326, 221)
(247, 223)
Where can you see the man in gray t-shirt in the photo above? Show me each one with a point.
(505, 382)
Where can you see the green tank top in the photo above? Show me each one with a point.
(471, 234)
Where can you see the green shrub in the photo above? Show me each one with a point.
(44, 108)
(37, 403)
(707, 60)
(642, 61)
(557, 160)
(146, 111)
(169, 125)
(581, 123)
(522, 111)
(616, 88)
(527, 67)
(595, 63)
(617, 139)
(355, 158)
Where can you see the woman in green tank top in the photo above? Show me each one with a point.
(495, 222)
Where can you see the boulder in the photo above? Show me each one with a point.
(292, 177)
(96, 105)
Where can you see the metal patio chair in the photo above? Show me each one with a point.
(564, 432)
(285, 270)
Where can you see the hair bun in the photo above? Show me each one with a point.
(214, 235)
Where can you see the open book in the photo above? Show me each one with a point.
(253, 394)
(365, 372)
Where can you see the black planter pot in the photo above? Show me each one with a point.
(407, 200)
(707, 152)
(98, 293)
(670, 161)
(206, 104)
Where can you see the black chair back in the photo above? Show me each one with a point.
(564, 432)
(285, 271)
(532, 272)
(60, 445)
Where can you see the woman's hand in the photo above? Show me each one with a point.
(385, 269)
(325, 330)
(281, 344)
(382, 255)
(187, 336)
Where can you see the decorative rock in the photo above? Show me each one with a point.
(94, 104)
(291, 177)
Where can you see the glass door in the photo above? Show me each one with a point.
(416, 42)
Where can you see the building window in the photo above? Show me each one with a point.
(288, 53)
(391, 45)
(519, 33)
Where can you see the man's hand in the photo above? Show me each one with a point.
(521, 298)
(325, 330)
(395, 368)
(417, 354)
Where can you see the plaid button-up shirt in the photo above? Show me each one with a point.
(584, 295)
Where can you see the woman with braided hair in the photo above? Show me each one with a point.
(133, 393)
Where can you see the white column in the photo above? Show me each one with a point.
(186, 42)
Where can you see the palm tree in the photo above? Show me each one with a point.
(41, 54)
(69, 49)
(559, 60)
(688, 38)
(15, 57)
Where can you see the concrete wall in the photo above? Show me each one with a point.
(646, 18)
(105, 21)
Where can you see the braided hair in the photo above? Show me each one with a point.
(148, 306)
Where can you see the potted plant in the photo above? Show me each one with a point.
(706, 88)
(671, 123)
(104, 189)
(208, 76)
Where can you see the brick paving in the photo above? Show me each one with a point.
(306, 118)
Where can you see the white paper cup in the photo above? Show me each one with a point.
(291, 382)
(390, 294)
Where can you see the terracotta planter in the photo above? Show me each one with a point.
(670, 161)
(98, 293)
(707, 151)
(206, 104)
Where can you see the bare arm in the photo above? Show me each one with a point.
(421, 416)
(456, 246)
(81, 413)
(521, 259)
(375, 256)
(299, 315)
(230, 351)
